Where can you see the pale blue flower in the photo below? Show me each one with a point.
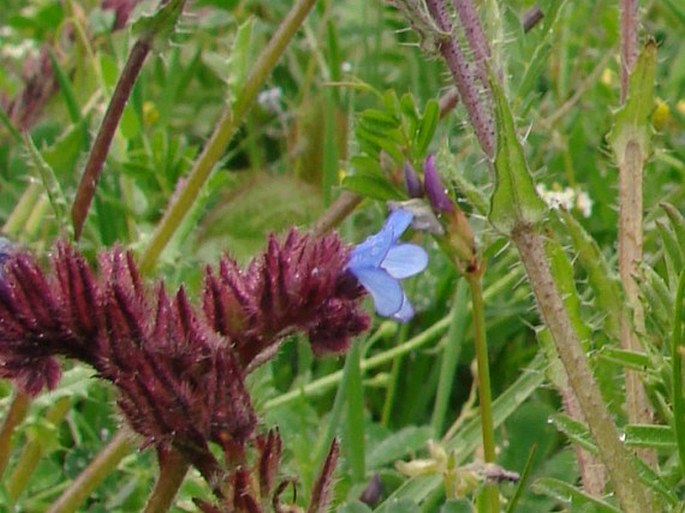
(380, 262)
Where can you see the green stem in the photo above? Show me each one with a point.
(173, 468)
(226, 128)
(33, 451)
(15, 414)
(121, 444)
(677, 359)
(618, 460)
(17, 219)
(450, 358)
(490, 493)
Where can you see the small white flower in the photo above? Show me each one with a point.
(567, 198)
(346, 67)
(270, 99)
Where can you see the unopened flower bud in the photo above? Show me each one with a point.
(435, 190)
(411, 181)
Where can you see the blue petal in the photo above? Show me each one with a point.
(397, 222)
(372, 251)
(404, 260)
(386, 292)
(405, 312)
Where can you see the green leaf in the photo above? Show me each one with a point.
(562, 272)
(569, 494)
(52, 186)
(354, 507)
(398, 506)
(632, 124)
(66, 89)
(672, 250)
(457, 506)
(677, 223)
(649, 435)
(371, 187)
(397, 445)
(601, 277)
(628, 359)
(240, 61)
(515, 202)
(159, 26)
(576, 431)
(429, 123)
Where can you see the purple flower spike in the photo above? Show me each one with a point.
(435, 190)
(380, 262)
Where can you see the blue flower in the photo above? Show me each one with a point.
(380, 262)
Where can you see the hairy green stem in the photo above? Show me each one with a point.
(173, 467)
(15, 414)
(226, 128)
(121, 444)
(490, 494)
(616, 457)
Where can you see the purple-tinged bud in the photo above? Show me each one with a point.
(435, 190)
(412, 182)
(322, 491)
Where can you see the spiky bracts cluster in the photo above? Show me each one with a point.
(179, 368)
(298, 285)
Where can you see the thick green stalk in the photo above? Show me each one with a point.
(618, 460)
(121, 444)
(226, 128)
(490, 495)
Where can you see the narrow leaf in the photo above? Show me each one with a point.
(52, 187)
(649, 435)
(569, 494)
(515, 202)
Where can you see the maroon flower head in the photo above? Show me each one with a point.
(179, 369)
(297, 285)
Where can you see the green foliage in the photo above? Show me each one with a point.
(351, 101)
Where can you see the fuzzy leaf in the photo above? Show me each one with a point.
(159, 26)
(603, 280)
(632, 124)
(515, 202)
(568, 493)
(658, 437)
(576, 431)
